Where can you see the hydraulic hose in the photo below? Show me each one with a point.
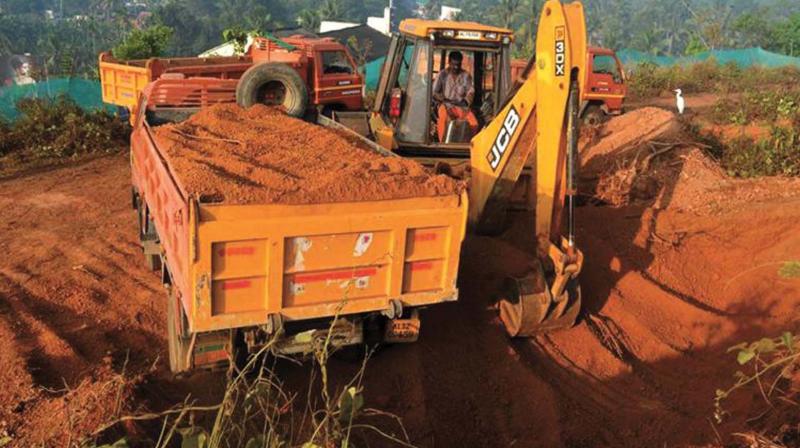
(573, 106)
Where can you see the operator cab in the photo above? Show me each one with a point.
(417, 55)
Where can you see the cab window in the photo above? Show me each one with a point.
(414, 119)
(405, 63)
(336, 62)
(604, 65)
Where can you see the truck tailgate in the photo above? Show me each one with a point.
(121, 83)
(313, 261)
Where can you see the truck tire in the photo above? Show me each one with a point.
(153, 262)
(593, 116)
(273, 83)
(178, 343)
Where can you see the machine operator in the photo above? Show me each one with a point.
(454, 90)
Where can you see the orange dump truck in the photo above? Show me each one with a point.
(240, 275)
(297, 72)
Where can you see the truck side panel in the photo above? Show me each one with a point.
(312, 261)
(167, 204)
(122, 83)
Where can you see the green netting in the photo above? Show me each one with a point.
(372, 72)
(744, 58)
(372, 69)
(84, 92)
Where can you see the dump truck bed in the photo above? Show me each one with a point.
(235, 265)
(123, 81)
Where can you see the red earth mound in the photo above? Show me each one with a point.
(671, 280)
(664, 167)
(228, 154)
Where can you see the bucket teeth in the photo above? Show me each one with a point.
(528, 308)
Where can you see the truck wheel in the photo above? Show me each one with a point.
(177, 342)
(593, 116)
(153, 261)
(134, 199)
(273, 83)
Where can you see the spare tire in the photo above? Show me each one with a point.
(273, 83)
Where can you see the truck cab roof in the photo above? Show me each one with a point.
(460, 30)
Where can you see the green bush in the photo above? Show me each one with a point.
(648, 79)
(144, 43)
(60, 128)
(775, 155)
(758, 105)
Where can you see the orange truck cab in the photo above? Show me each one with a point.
(605, 90)
(327, 74)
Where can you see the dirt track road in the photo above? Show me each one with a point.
(667, 291)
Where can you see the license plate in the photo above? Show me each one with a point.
(402, 330)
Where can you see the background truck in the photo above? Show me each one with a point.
(298, 73)
(231, 269)
(604, 84)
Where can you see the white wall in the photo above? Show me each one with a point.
(330, 25)
(449, 13)
(381, 24)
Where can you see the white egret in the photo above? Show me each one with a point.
(680, 101)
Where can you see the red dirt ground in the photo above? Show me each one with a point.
(672, 279)
(269, 157)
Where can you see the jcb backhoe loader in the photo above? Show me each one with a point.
(528, 130)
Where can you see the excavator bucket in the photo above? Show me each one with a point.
(529, 307)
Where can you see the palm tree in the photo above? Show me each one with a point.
(106, 8)
(309, 20)
(526, 46)
(259, 19)
(232, 12)
(331, 9)
(505, 12)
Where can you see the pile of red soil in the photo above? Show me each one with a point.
(666, 292)
(624, 133)
(643, 157)
(258, 155)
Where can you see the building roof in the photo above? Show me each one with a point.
(363, 33)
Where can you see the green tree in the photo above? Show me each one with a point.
(505, 12)
(107, 9)
(146, 43)
(787, 36)
(194, 31)
(526, 36)
(331, 10)
(694, 47)
(753, 29)
(309, 19)
(433, 9)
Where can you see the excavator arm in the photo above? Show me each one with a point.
(539, 118)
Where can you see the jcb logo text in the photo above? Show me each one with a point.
(503, 138)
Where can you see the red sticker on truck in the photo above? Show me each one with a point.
(233, 251)
(336, 275)
(236, 284)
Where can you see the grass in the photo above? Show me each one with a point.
(57, 129)
(778, 154)
(258, 410)
(647, 79)
(765, 98)
(768, 370)
(790, 269)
